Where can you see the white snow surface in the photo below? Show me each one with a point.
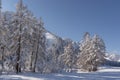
(104, 73)
(49, 36)
(51, 39)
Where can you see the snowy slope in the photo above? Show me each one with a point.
(104, 73)
(113, 57)
(51, 40)
(53, 43)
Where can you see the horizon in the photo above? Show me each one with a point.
(71, 19)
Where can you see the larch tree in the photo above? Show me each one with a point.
(1, 45)
(84, 48)
(92, 53)
(4, 40)
(99, 49)
(40, 47)
(24, 22)
(24, 35)
(67, 59)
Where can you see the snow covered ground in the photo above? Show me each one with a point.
(104, 73)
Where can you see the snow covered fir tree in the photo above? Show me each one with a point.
(26, 46)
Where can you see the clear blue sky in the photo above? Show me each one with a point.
(71, 18)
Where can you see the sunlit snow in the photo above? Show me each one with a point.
(104, 73)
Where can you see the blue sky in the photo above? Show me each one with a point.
(71, 18)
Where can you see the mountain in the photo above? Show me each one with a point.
(54, 42)
(112, 60)
(113, 57)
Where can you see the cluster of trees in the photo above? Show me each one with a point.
(92, 53)
(23, 47)
(88, 56)
(22, 40)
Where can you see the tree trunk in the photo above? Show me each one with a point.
(36, 55)
(18, 68)
(2, 62)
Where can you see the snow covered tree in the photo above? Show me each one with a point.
(4, 40)
(22, 40)
(92, 53)
(29, 37)
(1, 45)
(19, 23)
(24, 37)
(40, 57)
(99, 49)
(1, 52)
(67, 59)
(84, 54)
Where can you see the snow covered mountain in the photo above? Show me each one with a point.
(113, 57)
(54, 42)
